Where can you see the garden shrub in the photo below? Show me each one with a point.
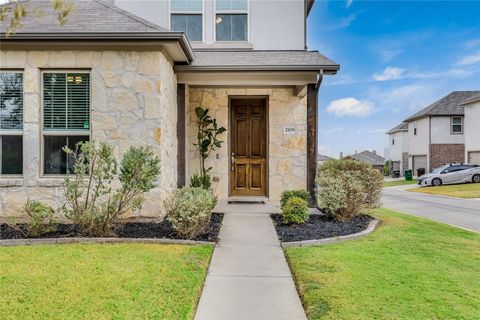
(300, 193)
(201, 181)
(295, 210)
(98, 194)
(41, 219)
(189, 211)
(347, 187)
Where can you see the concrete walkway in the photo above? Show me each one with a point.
(249, 277)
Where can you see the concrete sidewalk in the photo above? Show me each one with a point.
(249, 277)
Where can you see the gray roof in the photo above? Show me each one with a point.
(322, 157)
(401, 127)
(256, 60)
(368, 157)
(92, 16)
(446, 106)
(473, 99)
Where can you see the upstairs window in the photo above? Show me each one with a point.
(393, 142)
(11, 123)
(66, 118)
(415, 128)
(231, 20)
(187, 16)
(457, 125)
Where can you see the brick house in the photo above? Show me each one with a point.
(133, 74)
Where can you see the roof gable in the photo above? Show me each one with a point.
(401, 127)
(446, 106)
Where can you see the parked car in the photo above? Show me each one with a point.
(451, 173)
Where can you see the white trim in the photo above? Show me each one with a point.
(215, 12)
(452, 124)
(74, 132)
(202, 13)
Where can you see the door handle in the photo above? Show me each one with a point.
(232, 161)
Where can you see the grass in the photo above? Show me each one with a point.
(102, 281)
(466, 190)
(409, 268)
(398, 183)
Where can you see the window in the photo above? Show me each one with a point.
(186, 16)
(231, 20)
(393, 142)
(415, 128)
(457, 125)
(11, 123)
(66, 118)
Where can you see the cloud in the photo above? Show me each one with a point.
(389, 73)
(470, 59)
(409, 97)
(350, 107)
(348, 3)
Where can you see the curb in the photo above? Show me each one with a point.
(47, 241)
(371, 227)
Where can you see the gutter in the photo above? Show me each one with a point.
(148, 36)
(329, 69)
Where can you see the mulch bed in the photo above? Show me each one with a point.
(319, 227)
(151, 230)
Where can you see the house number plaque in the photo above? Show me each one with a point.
(290, 130)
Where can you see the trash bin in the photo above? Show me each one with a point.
(408, 174)
(420, 172)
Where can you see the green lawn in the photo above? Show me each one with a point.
(409, 268)
(466, 190)
(398, 183)
(104, 281)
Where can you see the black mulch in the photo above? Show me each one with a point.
(319, 227)
(123, 230)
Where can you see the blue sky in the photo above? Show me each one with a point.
(396, 57)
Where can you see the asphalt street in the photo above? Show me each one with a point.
(463, 213)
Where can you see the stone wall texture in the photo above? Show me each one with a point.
(287, 154)
(133, 102)
(446, 153)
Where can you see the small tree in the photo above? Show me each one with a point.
(97, 194)
(207, 141)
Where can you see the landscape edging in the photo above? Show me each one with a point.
(47, 241)
(371, 227)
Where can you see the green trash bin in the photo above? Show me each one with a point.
(408, 175)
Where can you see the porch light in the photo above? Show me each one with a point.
(218, 20)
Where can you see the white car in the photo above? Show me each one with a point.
(450, 174)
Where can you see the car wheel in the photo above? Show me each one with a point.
(476, 178)
(436, 182)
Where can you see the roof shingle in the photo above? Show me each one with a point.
(446, 106)
(401, 127)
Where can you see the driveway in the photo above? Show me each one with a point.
(463, 213)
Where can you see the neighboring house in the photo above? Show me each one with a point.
(371, 158)
(110, 75)
(472, 129)
(436, 133)
(398, 148)
(322, 159)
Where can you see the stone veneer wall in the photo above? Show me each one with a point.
(287, 154)
(446, 153)
(133, 102)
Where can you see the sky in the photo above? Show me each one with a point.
(396, 58)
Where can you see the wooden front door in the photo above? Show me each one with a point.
(248, 171)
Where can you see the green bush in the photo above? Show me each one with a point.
(98, 194)
(189, 211)
(295, 211)
(346, 188)
(41, 219)
(300, 193)
(201, 181)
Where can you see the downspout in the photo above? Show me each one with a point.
(429, 163)
(317, 88)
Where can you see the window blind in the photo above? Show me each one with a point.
(11, 100)
(66, 101)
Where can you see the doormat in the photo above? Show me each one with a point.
(246, 202)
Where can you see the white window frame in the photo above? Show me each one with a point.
(63, 133)
(215, 12)
(202, 13)
(452, 124)
(15, 132)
